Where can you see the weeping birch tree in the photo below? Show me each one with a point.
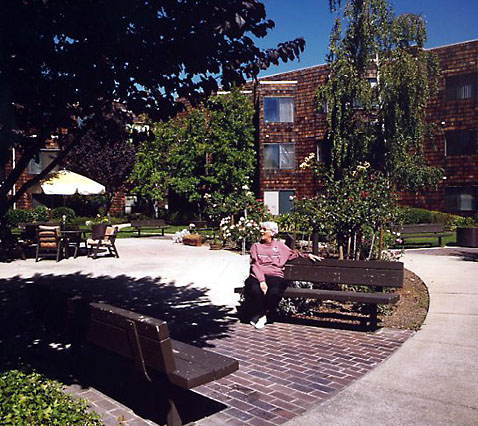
(380, 82)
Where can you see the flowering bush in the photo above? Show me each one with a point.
(178, 236)
(244, 229)
(97, 220)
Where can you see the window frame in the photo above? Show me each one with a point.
(279, 120)
(454, 200)
(32, 170)
(453, 137)
(455, 84)
(281, 209)
(278, 160)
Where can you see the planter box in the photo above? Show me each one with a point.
(192, 240)
(467, 237)
(215, 246)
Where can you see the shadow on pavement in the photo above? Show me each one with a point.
(32, 314)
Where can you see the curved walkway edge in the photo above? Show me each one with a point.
(432, 378)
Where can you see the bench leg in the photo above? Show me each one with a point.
(373, 317)
(173, 418)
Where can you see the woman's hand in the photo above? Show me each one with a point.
(263, 286)
(314, 257)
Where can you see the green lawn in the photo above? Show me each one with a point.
(429, 242)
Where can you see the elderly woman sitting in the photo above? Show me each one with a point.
(264, 288)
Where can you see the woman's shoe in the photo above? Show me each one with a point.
(261, 322)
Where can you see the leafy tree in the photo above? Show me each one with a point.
(63, 60)
(106, 152)
(206, 156)
(379, 85)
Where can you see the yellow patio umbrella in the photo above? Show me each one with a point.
(65, 182)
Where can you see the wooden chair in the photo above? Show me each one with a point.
(102, 236)
(49, 242)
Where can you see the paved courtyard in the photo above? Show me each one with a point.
(286, 370)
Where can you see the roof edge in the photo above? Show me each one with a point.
(324, 65)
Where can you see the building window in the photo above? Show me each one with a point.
(279, 202)
(38, 164)
(278, 110)
(461, 199)
(279, 156)
(460, 87)
(460, 142)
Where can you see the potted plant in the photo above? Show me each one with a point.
(192, 238)
(216, 242)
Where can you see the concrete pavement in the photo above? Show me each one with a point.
(216, 271)
(433, 378)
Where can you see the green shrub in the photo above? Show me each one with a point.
(14, 217)
(59, 212)
(412, 215)
(462, 222)
(41, 214)
(31, 399)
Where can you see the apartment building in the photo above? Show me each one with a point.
(290, 126)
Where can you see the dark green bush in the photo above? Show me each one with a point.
(31, 399)
(41, 214)
(59, 212)
(14, 217)
(412, 215)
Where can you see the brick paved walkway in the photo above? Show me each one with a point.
(284, 370)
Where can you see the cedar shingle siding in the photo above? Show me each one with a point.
(454, 108)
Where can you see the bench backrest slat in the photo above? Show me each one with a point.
(371, 273)
(110, 328)
(421, 227)
(148, 222)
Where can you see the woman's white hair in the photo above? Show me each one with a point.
(272, 226)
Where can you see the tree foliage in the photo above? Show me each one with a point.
(379, 85)
(64, 59)
(205, 155)
(106, 152)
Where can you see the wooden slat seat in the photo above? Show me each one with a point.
(145, 341)
(339, 296)
(373, 275)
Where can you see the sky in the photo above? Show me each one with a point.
(448, 22)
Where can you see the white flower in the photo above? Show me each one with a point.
(246, 187)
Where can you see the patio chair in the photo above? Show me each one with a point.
(102, 236)
(49, 242)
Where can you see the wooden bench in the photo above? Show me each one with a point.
(422, 230)
(146, 342)
(375, 275)
(150, 225)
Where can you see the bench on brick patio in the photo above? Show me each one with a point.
(145, 341)
(149, 225)
(422, 230)
(371, 276)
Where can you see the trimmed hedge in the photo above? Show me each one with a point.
(411, 215)
(31, 399)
